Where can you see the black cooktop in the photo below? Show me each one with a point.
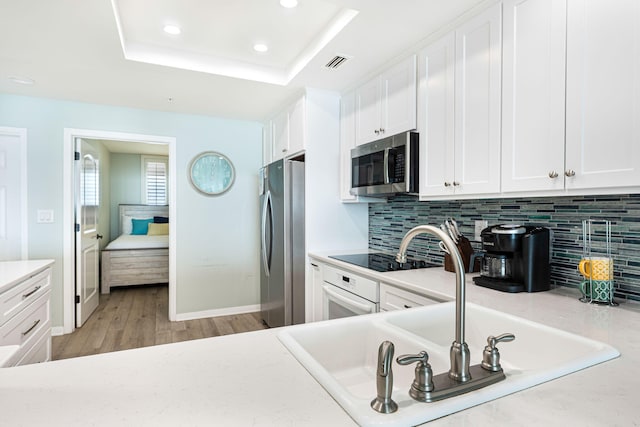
(382, 262)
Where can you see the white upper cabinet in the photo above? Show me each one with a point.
(436, 115)
(285, 133)
(386, 105)
(533, 95)
(296, 113)
(603, 94)
(460, 109)
(267, 144)
(477, 103)
(280, 135)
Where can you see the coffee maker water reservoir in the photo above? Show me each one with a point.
(516, 258)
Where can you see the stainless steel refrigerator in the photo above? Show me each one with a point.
(282, 249)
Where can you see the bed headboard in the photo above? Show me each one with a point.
(141, 211)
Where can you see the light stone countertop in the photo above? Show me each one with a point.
(12, 272)
(251, 379)
(602, 395)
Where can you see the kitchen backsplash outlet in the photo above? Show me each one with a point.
(563, 215)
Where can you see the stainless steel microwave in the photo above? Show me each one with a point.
(385, 167)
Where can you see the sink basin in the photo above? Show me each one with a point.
(342, 354)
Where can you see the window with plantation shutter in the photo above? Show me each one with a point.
(155, 180)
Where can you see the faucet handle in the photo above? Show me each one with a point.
(423, 381)
(491, 355)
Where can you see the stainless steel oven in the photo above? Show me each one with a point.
(387, 166)
(345, 294)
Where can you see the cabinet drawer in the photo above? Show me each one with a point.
(392, 298)
(23, 329)
(20, 296)
(39, 352)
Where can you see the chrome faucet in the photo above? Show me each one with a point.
(461, 378)
(459, 352)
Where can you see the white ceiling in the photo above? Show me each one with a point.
(77, 50)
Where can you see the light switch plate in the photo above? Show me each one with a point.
(479, 226)
(45, 216)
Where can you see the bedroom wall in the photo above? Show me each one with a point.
(126, 182)
(217, 237)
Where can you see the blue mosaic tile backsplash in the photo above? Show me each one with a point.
(388, 222)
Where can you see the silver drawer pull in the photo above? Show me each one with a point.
(31, 328)
(27, 295)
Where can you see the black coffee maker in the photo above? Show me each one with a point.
(516, 258)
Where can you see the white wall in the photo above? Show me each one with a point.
(217, 237)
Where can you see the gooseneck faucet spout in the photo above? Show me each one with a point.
(459, 353)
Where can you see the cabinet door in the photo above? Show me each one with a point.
(267, 144)
(347, 142)
(280, 132)
(316, 292)
(436, 99)
(477, 100)
(296, 126)
(533, 95)
(368, 112)
(603, 94)
(398, 98)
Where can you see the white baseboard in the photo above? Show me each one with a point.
(56, 331)
(218, 312)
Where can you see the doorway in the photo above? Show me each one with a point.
(69, 225)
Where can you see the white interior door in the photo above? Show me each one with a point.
(13, 194)
(87, 237)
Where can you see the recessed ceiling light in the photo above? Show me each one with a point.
(172, 29)
(260, 47)
(22, 80)
(288, 3)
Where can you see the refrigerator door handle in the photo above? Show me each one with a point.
(266, 258)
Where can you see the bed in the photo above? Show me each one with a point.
(137, 259)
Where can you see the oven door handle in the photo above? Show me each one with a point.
(348, 301)
(386, 165)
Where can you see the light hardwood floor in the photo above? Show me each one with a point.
(138, 317)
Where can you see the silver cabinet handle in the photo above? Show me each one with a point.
(376, 131)
(31, 327)
(455, 183)
(28, 294)
(570, 173)
(381, 130)
(447, 184)
(553, 174)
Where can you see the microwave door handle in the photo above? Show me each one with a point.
(386, 165)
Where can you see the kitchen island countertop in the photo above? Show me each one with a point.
(251, 379)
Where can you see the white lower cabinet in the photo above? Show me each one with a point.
(393, 298)
(314, 304)
(25, 318)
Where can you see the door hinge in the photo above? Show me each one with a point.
(77, 299)
(76, 155)
(77, 227)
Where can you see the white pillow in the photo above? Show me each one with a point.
(127, 225)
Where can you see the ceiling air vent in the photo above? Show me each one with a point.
(336, 61)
